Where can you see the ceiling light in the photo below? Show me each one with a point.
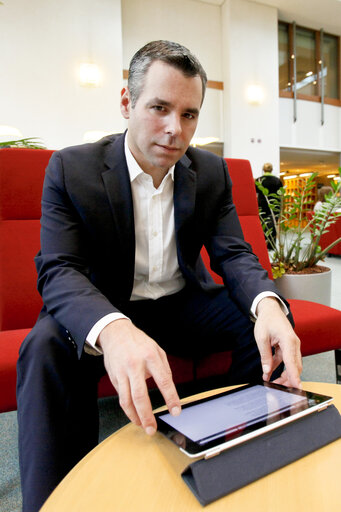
(304, 174)
(331, 175)
(290, 176)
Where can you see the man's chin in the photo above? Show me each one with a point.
(167, 159)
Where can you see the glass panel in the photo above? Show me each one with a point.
(330, 66)
(283, 57)
(306, 80)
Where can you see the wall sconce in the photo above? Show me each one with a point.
(255, 94)
(89, 75)
(8, 133)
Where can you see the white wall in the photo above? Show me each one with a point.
(250, 56)
(308, 132)
(42, 44)
(197, 26)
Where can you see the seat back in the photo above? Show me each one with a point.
(21, 180)
(245, 199)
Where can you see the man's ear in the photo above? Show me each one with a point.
(125, 103)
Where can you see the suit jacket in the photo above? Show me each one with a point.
(86, 262)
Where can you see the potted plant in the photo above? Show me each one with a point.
(28, 142)
(295, 244)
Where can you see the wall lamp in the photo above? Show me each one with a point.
(89, 75)
(255, 94)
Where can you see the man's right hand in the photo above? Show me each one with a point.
(130, 358)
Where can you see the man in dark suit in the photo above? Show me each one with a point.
(119, 270)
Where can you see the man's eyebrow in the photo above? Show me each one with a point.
(164, 103)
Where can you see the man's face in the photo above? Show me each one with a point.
(165, 116)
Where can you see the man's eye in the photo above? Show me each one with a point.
(159, 108)
(187, 115)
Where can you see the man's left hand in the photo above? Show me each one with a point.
(273, 331)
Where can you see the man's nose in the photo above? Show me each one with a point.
(173, 126)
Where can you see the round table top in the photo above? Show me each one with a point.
(130, 471)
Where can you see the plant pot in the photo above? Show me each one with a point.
(312, 287)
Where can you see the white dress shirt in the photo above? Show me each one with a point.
(157, 271)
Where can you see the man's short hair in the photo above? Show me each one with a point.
(267, 167)
(169, 52)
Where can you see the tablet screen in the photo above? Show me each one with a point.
(217, 420)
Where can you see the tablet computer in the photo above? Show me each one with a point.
(210, 425)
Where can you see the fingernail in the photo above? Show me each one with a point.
(266, 368)
(175, 411)
(150, 431)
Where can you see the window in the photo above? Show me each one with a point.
(331, 66)
(306, 68)
(283, 57)
(317, 59)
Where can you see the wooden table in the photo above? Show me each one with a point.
(130, 471)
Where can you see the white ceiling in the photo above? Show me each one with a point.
(315, 14)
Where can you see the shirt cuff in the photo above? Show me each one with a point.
(90, 346)
(261, 296)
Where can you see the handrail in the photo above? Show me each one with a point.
(294, 77)
(321, 76)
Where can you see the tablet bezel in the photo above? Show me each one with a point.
(315, 402)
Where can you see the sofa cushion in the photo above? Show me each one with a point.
(10, 342)
(20, 302)
(318, 326)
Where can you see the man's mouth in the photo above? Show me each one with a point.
(171, 149)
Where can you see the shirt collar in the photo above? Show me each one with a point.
(133, 167)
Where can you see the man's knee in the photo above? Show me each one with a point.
(46, 348)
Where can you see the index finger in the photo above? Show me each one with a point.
(162, 374)
(293, 361)
(142, 404)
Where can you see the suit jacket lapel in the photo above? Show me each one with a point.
(184, 203)
(117, 184)
(184, 193)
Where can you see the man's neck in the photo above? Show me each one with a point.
(157, 176)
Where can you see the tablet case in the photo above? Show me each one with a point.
(210, 479)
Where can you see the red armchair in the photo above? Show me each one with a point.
(21, 180)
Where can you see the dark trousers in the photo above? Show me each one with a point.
(57, 392)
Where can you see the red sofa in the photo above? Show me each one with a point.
(21, 180)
